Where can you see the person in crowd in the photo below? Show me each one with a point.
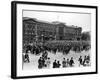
(28, 47)
(58, 64)
(43, 62)
(64, 63)
(88, 60)
(33, 49)
(27, 57)
(71, 61)
(54, 64)
(48, 62)
(84, 61)
(88, 57)
(80, 61)
(36, 51)
(67, 63)
(40, 63)
(45, 55)
(54, 50)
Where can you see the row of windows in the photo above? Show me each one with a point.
(32, 27)
(50, 33)
(46, 25)
(29, 26)
(39, 32)
(46, 28)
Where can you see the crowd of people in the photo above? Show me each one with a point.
(45, 61)
(42, 63)
(37, 49)
(85, 62)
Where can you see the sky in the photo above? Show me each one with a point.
(78, 19)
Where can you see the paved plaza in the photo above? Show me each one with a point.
(33, 64)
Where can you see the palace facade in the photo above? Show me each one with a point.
(37, 30)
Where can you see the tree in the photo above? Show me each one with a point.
(85, 36)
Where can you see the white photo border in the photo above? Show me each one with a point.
(24, 73)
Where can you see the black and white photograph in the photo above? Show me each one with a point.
(55, 39)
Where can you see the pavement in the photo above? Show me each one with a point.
(33, 64)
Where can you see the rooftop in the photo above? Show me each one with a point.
(32, 20)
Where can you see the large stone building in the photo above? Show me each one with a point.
(37, 30)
